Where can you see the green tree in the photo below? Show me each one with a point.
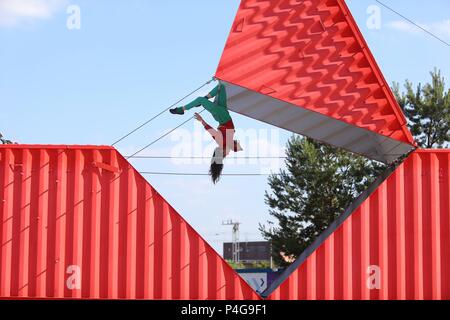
(236, 265)
(318, 184)
(428, 110)
(253, 265)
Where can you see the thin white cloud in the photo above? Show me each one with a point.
(439, 28)
(16, 12)
(404, 26)
(442, 28)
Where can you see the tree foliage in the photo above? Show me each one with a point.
(428, 110)
(319, 182)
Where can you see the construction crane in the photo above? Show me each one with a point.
(235, 239)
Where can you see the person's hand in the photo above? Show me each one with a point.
(198, 117)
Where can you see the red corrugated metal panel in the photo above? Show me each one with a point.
(311, 54)
(396, 245)
(81, 222)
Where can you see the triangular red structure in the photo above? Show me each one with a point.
(393, 243)
(81, 222)
(304, 66)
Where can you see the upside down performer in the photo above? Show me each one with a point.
(224, 135)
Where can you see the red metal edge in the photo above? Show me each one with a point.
(377, 71)
(432, 150)
(56, 146)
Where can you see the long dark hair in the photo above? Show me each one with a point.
(215, 171)
(216, 168)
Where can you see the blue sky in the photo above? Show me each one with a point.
(133, 58)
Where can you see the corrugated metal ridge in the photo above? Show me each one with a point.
(395, 246)
(332, 228)
(432, 150)
(57, 146)
(225, 274)
(377, 71)
(187, 223)
(261, 22)
(243, 282)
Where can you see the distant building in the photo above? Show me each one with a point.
(249, 252)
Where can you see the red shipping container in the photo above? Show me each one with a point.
(304, 66)
(81, 222)
(393, 243)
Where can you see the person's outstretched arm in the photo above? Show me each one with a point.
(213, 132)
